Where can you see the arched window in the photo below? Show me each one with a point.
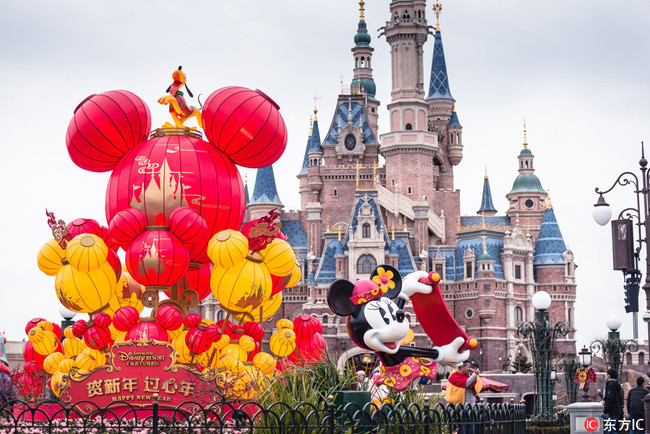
(365, 264)
(641, 359)
(451, 138)
(519, 314)
(325, 319)
(408, 127)
(365, 230)
(628, 358)
(458, 138)
(336, 193)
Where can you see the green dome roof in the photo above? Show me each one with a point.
(525, 151)
(527, 182)
(362, 37)
(485, 257)
(366, 83)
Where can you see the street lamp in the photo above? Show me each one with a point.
(613, 347)
(67, 315)
(541, 335)
(626, 258)
(586, 375)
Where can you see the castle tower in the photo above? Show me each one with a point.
(487, 206)
(310, 185)
(362, 81)
(527, 198)
(265, 195)
(554, 269)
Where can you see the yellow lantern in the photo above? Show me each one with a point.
(236, 350)
(242, 287)
(116, 335)
(284, 323)
(227, 248)
(86, 252)
(68, 332)
(51, 258)
(56, 382)
(46, 325)
(127, 293)
(89, 359)
(247, 343)
(283, 342)
(296, 275)
(231, 363)
(183, 354)
(82, 291)
(267, 309)
(72, 347)
(65, 365)
(222, 342)
(279, 257)
(51, 362)
(44, 342)
(265, 363)
(174, 334)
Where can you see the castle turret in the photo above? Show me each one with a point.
(487, 206)
(265, 195)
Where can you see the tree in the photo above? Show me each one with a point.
(521, 364)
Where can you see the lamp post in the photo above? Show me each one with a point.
(541, 335)
(569, 365)
(613, 347)
(67, 315)
(626, 257)
(586, 373)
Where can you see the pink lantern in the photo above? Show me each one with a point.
(157, 258)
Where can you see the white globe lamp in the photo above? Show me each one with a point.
(541, 300)
(613, 322)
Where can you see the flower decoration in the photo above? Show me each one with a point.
(384, 279)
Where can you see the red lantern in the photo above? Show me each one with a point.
(84, 226)
(115, 263)
(167, 172)
(102, 320)
(306, 326)
(146, 331)
(125, 318)
(126, 225)
(188, 225)
(110, 242)
(246, 125)
(310, 350)
(32, 368)
(254, 330)
(169, 317)
(29, 354)
(33, 323)
(97, 337)
(213, 332)
(79, 328)
(236, 331)
(56, 329)
(192, 320)
(197, 279)
(197, 339)
(104, 127)
(157, 258)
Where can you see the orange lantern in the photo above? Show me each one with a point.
(227, 248)
(279, 257)
(283, 342)
(242, 287)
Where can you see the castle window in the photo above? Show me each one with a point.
(469, 313)
(529, 203)
(641, 359)
(439, 269)
(457, 138)
(365, 230)
(408, 127)
(325, 319)
(628, 358)
(519, 314)
(451, 138)
(468, 270)
(336, 193)
(517, 271)
(221, 315)
(365, 264)
(409, 190)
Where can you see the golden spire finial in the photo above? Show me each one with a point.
(405, 228)
(483, 220)
(246, 177)
(329, 227)
(361, 17)
(311, 126)
(357, 175)
(437, 8)
(341, 84)
(458, 227)
(392, 232)
(549, 205)
(316, 98)
(339, 230)
(486, 175)
(525, 139)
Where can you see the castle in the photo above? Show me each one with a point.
(356, 214)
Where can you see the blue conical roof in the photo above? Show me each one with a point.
(246, 193)
(313, 145)
(454, 122)
(550, 244)
(439, 84)
(265, 191)
(486, 200)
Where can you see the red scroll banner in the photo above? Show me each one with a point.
(135, 371)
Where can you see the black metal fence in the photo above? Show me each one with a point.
(223, 417)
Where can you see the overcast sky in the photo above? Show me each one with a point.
(578, 71)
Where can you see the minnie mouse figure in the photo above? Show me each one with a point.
(376, 321)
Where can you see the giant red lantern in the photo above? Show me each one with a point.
(104, 127)
(168, 172)
(157, 258)
(147, 330)
(246, 125)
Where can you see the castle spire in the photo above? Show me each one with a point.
(525, 138)
(362, 80)
(487, 206)
(439, 82)
(313, 142)
(265, 190)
